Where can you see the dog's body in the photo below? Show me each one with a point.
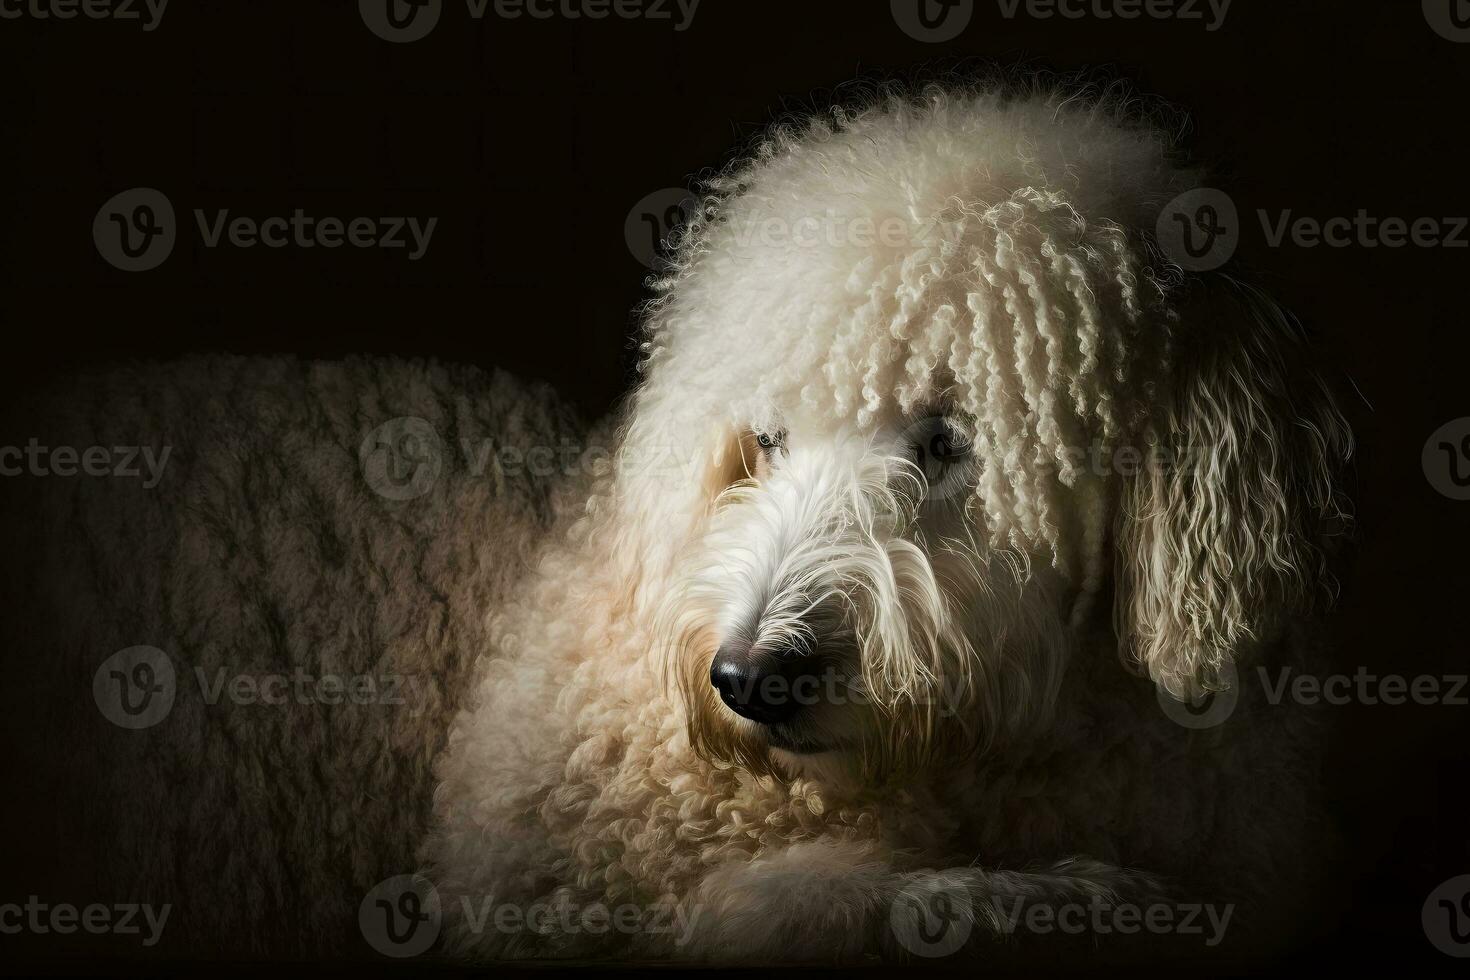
(322, 625)
(879, 449)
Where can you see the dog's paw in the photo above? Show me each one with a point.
(970, 910)
(812, 902)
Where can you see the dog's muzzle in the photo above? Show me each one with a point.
(770, 687)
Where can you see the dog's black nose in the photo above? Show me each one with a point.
(768, 688)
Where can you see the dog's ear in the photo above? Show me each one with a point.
(1223, 533)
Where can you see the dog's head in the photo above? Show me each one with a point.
(918, 392)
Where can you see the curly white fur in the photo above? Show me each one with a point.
(980, 263)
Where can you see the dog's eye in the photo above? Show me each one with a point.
(767, 441)
(948, 447)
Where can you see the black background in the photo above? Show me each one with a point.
(531, 140)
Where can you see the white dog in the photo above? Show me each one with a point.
(933, 457)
